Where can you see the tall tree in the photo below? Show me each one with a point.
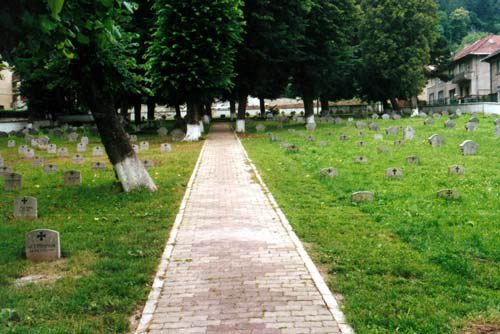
(192, 55)
(89, 35)
(396, 40)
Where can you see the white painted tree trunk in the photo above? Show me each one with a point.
(206, 119)
(310, 120)
(240, 126)
(233, 117)
(133, 175)
(202, 127)
(193, 132)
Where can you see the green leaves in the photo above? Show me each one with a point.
(55, 6)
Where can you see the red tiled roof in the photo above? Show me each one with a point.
(484, 46)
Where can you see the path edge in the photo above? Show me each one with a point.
(159, 280)
(318, 280)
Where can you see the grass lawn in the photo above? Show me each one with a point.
(111, 241)
(408, 262)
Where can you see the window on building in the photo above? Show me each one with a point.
(462, 67)
(431, 97)
(452, 93)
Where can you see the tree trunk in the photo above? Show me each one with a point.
(232, 109)
(395, 104)
(128, 168)
(208, 113)
(242, 109)
(124, 111)
(325, 108)
(178, 114)
(137, 113)
(262, 105)
(151, 109)
(193, 132)
(308, 108)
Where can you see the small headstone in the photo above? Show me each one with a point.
(37, 162)
(392, 131)
(11, 143)
(382, 149)
(43, 246)
(28, 139)
(469, 147)
(378, 137)
(34, 142)
(144, 146)
(471, 127)
(97, 151)
(22, 149)
(458, 112)
(329, 172)
(81, 148)
(436, 140)
(98, 165)
(361, 160)
(12, 181)
(445, 113)
(148, 163)
(292, 149)
(311, 126)
(344, 138)
(497, 131)
(26, 208)
(360, 143)
(338, 120)
(51, 169)
(436, 116)
(373, 127)
(73, 136)
(135, 148)
(448, 194)
(413, 160)
(5, 170)
(360, 125)
(428, 122)
(456, 170)
(165, 148)
(309, 138)
(29, 153)
(375, 116)
(133, 138)
(260, 128)
(62, 152)
(386, 116)
(409, 133)
(396, 117)
(394, 173)
(72, 178)
(350, 119)
(449, 124)
(77, 159)
(84, 141)
(52, 149)
(360, 134)
(474, 120)
(43, 140)
(162, 132)
(399, 142)
(362, 196)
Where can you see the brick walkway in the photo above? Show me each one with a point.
(232, 264)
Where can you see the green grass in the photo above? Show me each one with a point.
(407, 262)
(111, 241)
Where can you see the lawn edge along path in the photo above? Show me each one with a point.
(318, 280)
(154, 295)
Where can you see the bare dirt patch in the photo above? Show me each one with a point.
(482, 328)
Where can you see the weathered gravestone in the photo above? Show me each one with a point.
(43, 141)
(428, 122)
(497, 131)
(165, 148)
(394, 173)
(445, 113)
(291, 130)
(29, 153)
(469, 147)
(162, 132)
(51, 169)
(392, 131)
(81, 148)
(474, 120)
(361, 160)
(97, 151)
(144, 146)
(456, 170)
(133, 138)
(373, 127)
(260, 128)
(73, 136)
(26, 208)
(77, 159)
(28, 139)
(135, 148)
(22, 149)
(292, 149)
(436, 116)
(362, 196)
(396, 117)
(458, 112)
(34, 142)
(11, 143)
(448, 194)
(5, 170)
(37, 162)
(360, 134)
(62, 152)
(399, 142)
(311, 126)
(471, 127)
(496, 122)
(449, 124)
(338, 120)
(382, 149)
(52, 149)
(386, 116)
(274, 138)
(360, 143)
(329, 172)
(98, 165)
(84, 141)
(12, 181)
(409, 133)
(378, 137)
(72, 178)
(309, 138)
(344, 138)
(413, 160)
(43, 245)
(375, 116)
(360, 125)
(436, 140)
(148, 163)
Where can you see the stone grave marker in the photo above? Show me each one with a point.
(148, 163)
(62, 152)
(311, 126)
(98, 165)
(51, 169)
(292, 149)
(386, 116)
(12, 181)
(84, 141)
(43, 245)
(260, 128)
(360, 134)
(497, 131)
(399, 142)
(374, 127)
(344, 138)
(43, 140)
(37, 162)
(52, 149)
(360, 125)
(361, 160)
(133, 138)
(338, 120)
(360, 143)
(394, 173)
(28, 139)
(165, 148)
(274, 138)
(436, 141)
(97, 151)
(72, 178)
(22, 149)
(329, 172)
(11, 143)
(375, 116)
(449, 124)
(436, 116)
(392, 131)
(409, 133)
(382, 149)
(77, 159)
(469, 147)
(29, 153)
(81, 148)
(448, 194)
(34, 142)
(496, 122)
(378, 137)
(309, 138)
(456, 170)
(4, 170)
(350, 119)
(396, 117)
(428, 122)
(474, 120)
(144, 146)
(458, 112)
(413, 160)
(162, 132)
(362, 196)
(73, 136)
(26, 208)
(135, 148)
(471, 127)
(445, 113)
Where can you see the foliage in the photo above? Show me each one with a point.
(471, 38)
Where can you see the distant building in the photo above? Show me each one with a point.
(6, 89)
(494, 61)
(470, 77)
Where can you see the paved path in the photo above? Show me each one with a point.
(232, 264)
